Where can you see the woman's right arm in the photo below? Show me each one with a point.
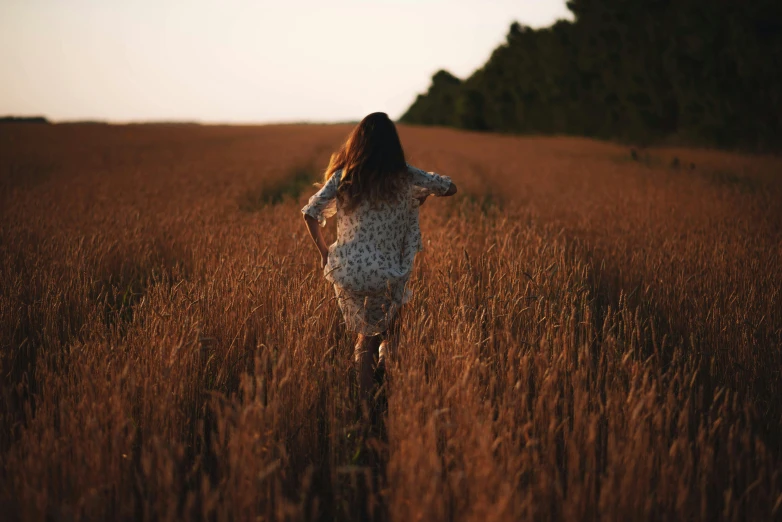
(431, 184)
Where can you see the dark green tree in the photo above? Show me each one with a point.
(693, 71)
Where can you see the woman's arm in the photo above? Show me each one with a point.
(450, 192)
(320, 207)
(428, 183)
(317, 237)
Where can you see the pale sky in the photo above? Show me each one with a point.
(241, 61)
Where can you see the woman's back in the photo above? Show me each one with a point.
(376, 240)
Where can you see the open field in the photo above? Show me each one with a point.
(591, 336)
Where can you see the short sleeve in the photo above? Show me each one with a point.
(322, 204)
(427, 183)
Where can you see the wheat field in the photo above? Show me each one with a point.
(594, 333)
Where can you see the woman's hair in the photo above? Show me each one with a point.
(372, 162)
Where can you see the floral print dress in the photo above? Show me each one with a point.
(373, 256)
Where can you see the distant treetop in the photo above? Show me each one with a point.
(694, 72)
(23, 119)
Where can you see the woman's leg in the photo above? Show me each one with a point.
(387, 351)
(365, 356)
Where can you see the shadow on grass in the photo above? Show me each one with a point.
(289, 186)
(730, 179)
(662, 331)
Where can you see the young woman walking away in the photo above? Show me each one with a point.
(375, 195)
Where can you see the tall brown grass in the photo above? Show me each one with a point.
(591, 336)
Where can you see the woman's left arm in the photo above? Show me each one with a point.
(320, 207)
(317, 236)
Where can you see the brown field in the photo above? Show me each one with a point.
(591, 336)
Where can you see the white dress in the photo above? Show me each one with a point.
(373, 256)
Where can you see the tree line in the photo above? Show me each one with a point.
(685, 71)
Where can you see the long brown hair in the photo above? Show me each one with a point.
(372, 162)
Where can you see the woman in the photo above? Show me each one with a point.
(375, 195)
